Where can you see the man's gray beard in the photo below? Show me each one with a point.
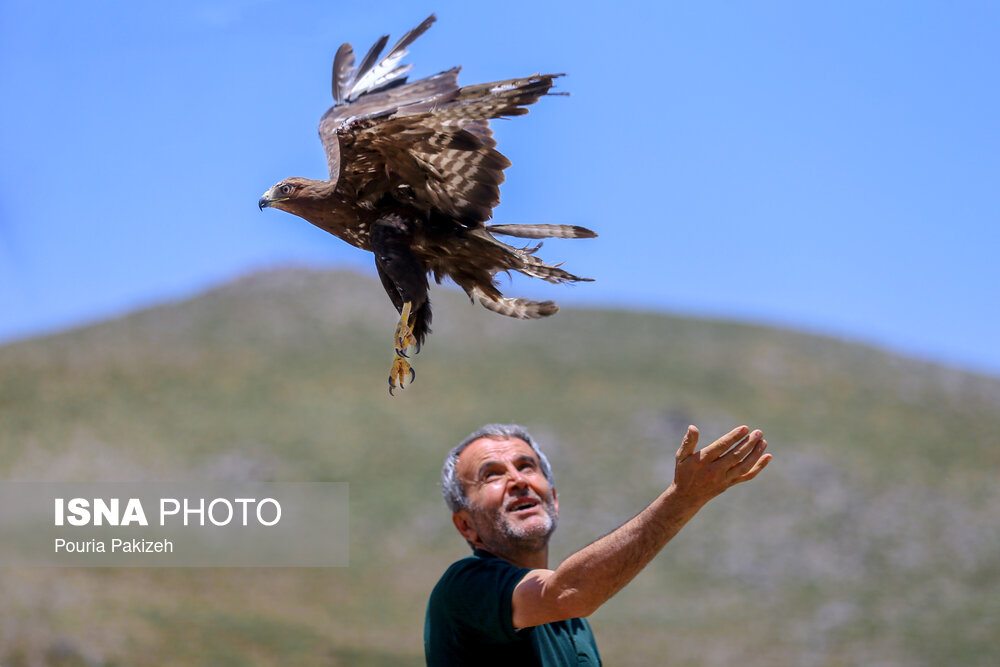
(526, 540)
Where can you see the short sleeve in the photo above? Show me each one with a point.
(476, 595)
(470, 622)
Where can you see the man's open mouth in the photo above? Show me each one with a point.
(522, 504)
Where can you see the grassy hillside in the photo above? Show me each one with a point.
(872, 538)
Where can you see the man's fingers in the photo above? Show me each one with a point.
(723, 444)
(746, 446)
(688, 444)
(760, 465)
(752, 464)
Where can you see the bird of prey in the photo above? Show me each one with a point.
(414, 177)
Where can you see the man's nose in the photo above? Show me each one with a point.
(517, 478)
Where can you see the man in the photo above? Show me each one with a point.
(502, 605)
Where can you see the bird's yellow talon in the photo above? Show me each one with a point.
(400, 370)
(403, 340)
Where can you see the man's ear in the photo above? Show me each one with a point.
(555, 501)
(463, 522)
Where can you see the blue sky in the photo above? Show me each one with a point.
(830, 167)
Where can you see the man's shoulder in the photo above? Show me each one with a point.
(470, 607)
(486, 569)
(470, 562)
(475, 589)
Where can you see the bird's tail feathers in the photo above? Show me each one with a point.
(543, 231)
(480, 283)
(522, 309)
(349, 82)
(549, 273)
(523, 260)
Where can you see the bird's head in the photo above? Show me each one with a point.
(285, 194)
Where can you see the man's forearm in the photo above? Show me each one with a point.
(595, 573)
(588, 578)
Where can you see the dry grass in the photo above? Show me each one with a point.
(872, 538)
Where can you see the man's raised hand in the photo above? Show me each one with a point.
(736, 457)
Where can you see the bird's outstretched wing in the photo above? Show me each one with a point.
(437, 154)
(377, 88)
(382, 104)
(428, 143)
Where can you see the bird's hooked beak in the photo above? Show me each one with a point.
(268, 198)
(265, 200)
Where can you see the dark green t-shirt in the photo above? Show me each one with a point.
(469, 622)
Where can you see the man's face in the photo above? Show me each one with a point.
(510, 503)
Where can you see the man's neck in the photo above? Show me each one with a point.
(533, 559)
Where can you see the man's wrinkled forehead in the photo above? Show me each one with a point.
(482, 452)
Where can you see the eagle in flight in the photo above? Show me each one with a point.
(414, 176)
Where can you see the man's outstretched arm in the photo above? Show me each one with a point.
(588, 578)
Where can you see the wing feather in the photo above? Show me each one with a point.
(427, 143)
(343, 64)
(386, 71)
(367, 63)
(437, 153)
(436, 89)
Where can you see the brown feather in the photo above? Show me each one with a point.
(420, 156)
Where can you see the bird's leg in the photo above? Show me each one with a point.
(405, 280)
(403, 339)
(404, 334)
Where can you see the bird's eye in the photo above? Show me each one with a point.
(286, 189)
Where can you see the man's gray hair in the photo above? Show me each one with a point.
(451, 485)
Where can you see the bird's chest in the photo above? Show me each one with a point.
(353, 229)
(358, 235)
